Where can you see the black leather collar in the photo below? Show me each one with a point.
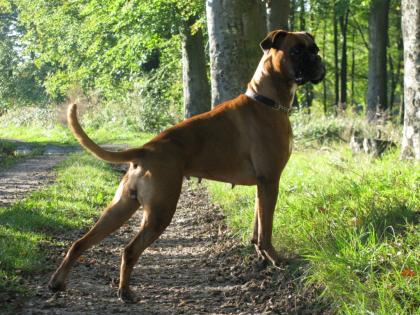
(267, 101)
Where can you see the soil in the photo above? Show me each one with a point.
(196, 267)
(28, 175)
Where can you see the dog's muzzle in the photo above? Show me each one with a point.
(311, 69)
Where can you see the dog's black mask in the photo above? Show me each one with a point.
(307, 64)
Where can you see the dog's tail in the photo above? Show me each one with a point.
(92, 147)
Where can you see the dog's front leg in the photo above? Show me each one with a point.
(267, 191)
(254, 239)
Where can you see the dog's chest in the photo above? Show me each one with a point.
(290, 143)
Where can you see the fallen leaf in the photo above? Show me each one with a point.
(407, 272)
(322, 209)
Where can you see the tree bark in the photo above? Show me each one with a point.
(336, 70)
(324, 82)
(343, 21)
(411, 37)
(302, 15)
(278, 14)
(235, 28)
(194, 72)
(377, 76)
(396, 75)
(293, 15)
(353, 70)
(392, 83)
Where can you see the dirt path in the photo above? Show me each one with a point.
(34, 172)
(196, 267)
(28, 175)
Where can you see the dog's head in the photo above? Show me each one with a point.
(295, 56)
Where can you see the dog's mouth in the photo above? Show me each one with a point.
(299, 78)
(315, 74)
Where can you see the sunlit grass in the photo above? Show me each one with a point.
(62, 135)
(352, 219)
(47, 125)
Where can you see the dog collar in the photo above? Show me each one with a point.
(267, 101)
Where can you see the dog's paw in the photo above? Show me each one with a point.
(126, 296)
(56, 286)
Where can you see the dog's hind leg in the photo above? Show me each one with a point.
(158, 213)
(119, 211)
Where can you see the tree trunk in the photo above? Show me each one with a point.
(391, 83)
(194, 73)
(302, 15)
(293, 6)
(411, 38)
(343, 20)
(278, 14)
(353, 69)
(308, 87)
(336, 70)
(396, 76)
(377, 76)
(235, 28)
(324, 82)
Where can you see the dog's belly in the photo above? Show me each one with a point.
(238, 173)
(236, 180)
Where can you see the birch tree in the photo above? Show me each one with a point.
(411, 38)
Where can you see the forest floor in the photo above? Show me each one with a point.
(196, 267)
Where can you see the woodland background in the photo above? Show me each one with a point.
(118, 50)
(349, 213)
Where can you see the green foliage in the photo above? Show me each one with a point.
(100, 45)
(117, 48)
(114, 123)
(19, 82)
(7, 156)
(319, 21)
(352, 219)
(27, 227)
(309, 128)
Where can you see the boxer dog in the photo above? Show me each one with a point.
(243, 141)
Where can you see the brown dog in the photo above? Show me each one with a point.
(244, 141)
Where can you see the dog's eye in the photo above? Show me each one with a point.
(297, 50)
(135, 165)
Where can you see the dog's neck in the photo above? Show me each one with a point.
(272, 85)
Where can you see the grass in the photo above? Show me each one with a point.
(10, 154)
(43, 126)
(7, 156)
(25, 227)
(59, 134)
(353, 220)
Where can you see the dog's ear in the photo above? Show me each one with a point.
(274, 39)
(310, 35)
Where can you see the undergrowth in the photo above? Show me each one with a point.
(353, 220)
(7, 155)
(107, 124)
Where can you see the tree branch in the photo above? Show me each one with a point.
(357, 26)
